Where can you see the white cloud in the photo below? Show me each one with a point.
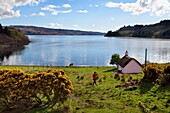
(112, 4)
(82, 11)
(67, 6)
(55, 25)
(91, 5)
(57, 12)
(33, 14)
(54, 13)
(67, 11)
(96, 5)
(41, 14)
(6, 7)
(154, 7)
(75, 25)
(50, 8)
(9, 13)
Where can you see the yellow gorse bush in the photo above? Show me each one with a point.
(19, 90)
(156, 73)
(151, 72)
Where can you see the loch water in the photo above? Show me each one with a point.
(53, 50)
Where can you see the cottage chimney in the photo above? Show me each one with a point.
(126, 53)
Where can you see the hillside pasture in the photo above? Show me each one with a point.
(115, 93)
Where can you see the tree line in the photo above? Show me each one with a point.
(4, 30)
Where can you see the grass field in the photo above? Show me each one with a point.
(112, 95)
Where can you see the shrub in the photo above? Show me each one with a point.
(167, 69)
(123, 78)
(151, 72)
(104, 78)
(160, 75)
(116, 76)
(25, 91)
(164, 78)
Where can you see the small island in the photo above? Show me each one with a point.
(158, 30)
(11, 39)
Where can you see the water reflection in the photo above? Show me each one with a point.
(163, 54)
(6, 54)
(87, 50)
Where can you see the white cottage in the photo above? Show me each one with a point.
(129, 65)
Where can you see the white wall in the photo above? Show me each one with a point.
(119, 68)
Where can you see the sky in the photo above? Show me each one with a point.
(88, 15)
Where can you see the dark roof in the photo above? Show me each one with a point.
(125, 60)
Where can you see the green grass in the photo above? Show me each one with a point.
(105, 97)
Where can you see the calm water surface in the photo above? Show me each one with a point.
(87, 50)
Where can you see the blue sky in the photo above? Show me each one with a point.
(88, 15)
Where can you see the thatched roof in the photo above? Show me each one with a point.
(125, 60)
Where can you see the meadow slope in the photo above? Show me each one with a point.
(124, 94)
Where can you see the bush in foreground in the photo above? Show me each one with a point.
(21, 91)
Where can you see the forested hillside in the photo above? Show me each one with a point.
(158, 30)
(11, 39)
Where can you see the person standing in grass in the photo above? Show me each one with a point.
(95, 76)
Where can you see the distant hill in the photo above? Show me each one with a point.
(158, 30)
(33, 30)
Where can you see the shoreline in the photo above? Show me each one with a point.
(75, 66)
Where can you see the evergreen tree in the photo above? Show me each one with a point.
(6, 31)
(1, 28)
